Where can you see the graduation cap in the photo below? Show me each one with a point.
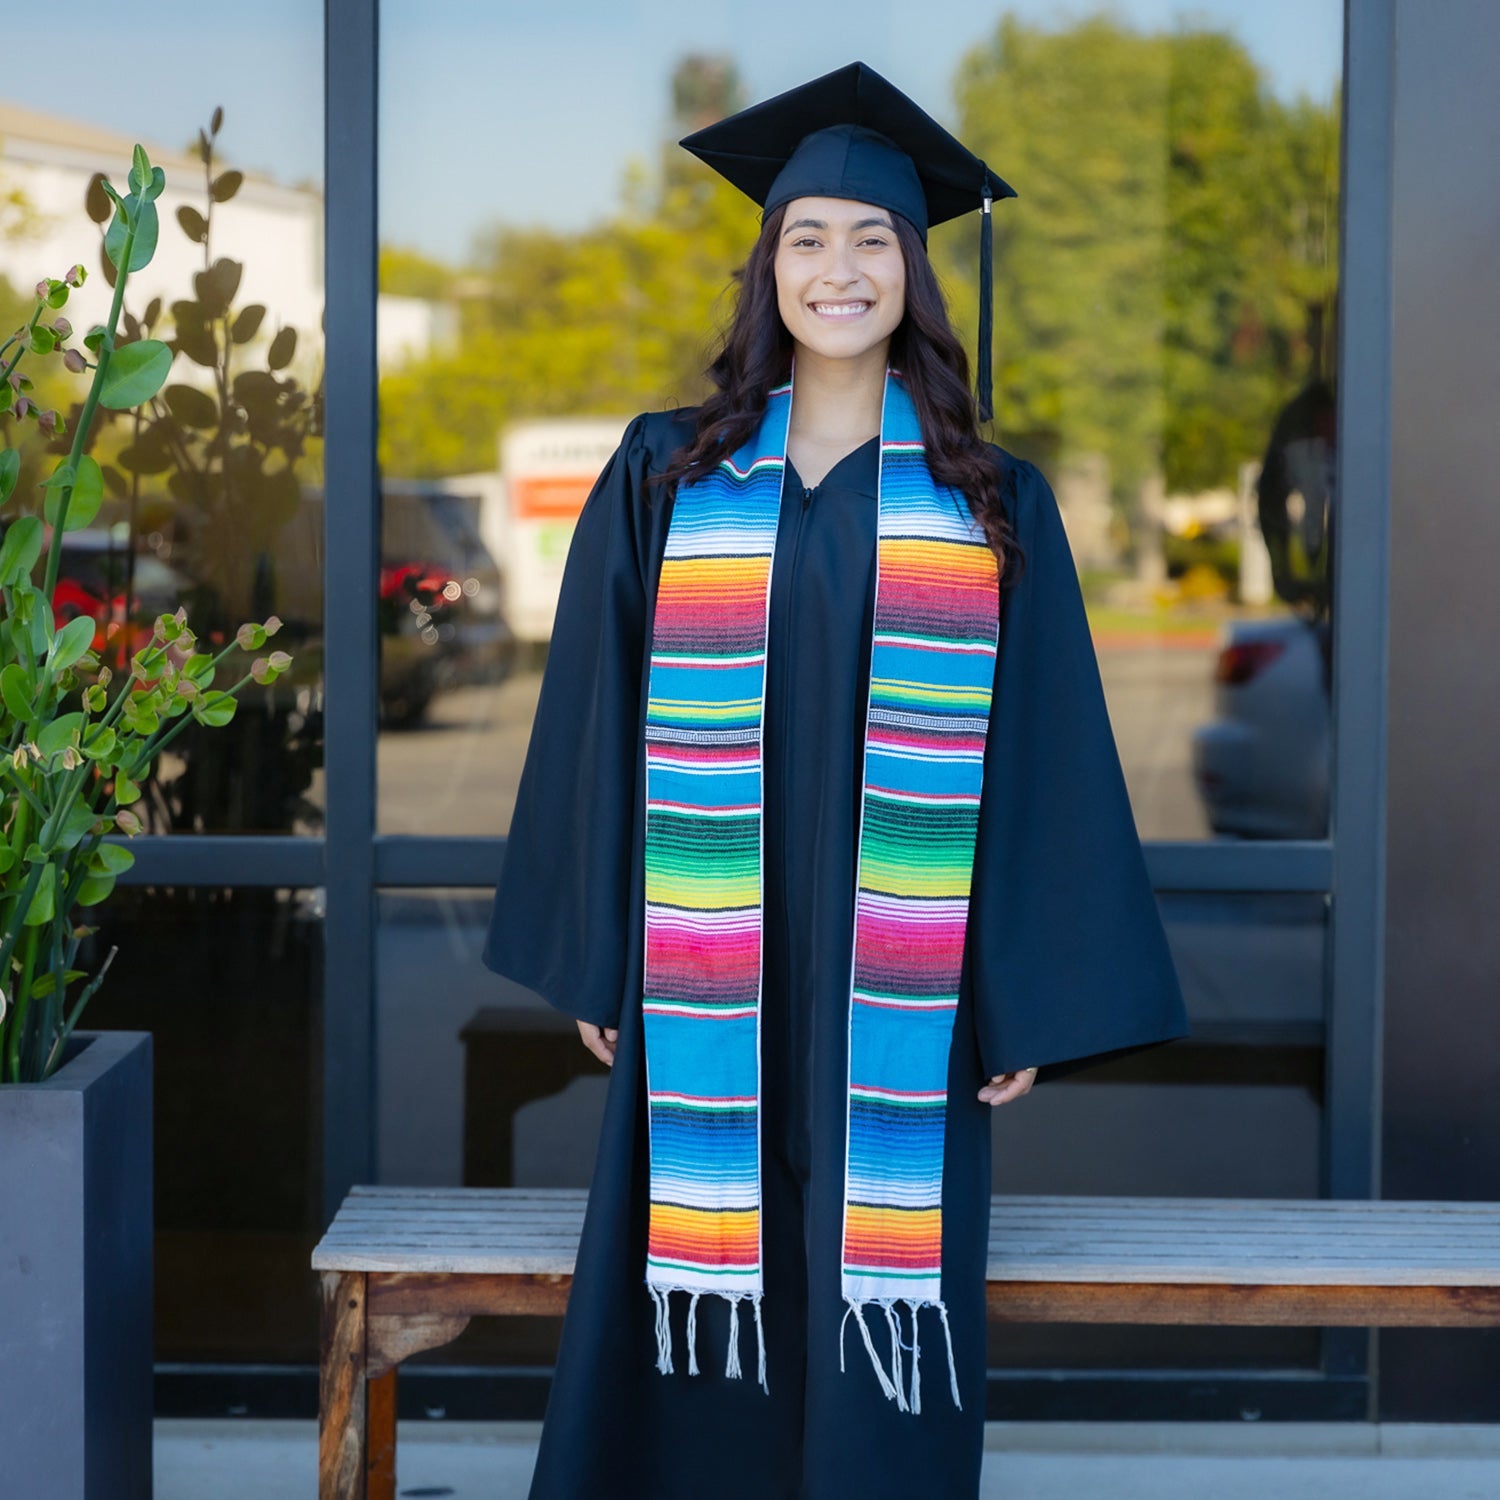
(853, 134)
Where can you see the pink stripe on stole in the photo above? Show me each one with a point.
(914, 944)
(707, 755)
(683, 962)
(896, 737)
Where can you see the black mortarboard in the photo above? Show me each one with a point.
(853, 134)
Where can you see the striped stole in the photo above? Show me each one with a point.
(931, 672)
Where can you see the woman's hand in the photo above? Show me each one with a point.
(600, 1040)
(1004, 1087)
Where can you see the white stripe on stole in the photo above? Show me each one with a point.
(704, 535)
(863, 1287)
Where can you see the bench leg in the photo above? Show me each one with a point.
(342, 1436)
(381, 1463)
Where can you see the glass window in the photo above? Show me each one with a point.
(212, 490)
(229, 983)
(1164, 334)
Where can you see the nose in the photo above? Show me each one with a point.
(840, 271)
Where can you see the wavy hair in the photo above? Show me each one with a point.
(755, 355)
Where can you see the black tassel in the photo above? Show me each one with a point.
(984, 383)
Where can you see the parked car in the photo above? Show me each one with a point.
(442, 619)
(1261, 766)
(96, 572)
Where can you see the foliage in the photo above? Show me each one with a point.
(214, 465)
(1175, 233)
(78, 743)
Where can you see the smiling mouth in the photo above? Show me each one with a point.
(840, 309)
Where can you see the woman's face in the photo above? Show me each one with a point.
(840, 276)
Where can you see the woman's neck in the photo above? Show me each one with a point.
(836, 406)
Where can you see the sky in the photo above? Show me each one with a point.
(528, 111)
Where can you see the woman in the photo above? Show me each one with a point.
(823, 840)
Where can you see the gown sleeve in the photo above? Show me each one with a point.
(1069, 958)
(562, 901)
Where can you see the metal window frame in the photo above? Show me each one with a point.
(353, 861)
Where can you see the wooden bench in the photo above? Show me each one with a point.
(404, 1269)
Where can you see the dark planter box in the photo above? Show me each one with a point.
(76, 1275)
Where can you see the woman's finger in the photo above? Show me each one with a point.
(600, 1041)
(1007, 1086)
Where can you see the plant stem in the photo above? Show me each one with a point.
(6, 373)
(21, 1003)
(67, 1028)
(90, 405)
(155, 747)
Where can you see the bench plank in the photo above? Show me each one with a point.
(1040, 1239)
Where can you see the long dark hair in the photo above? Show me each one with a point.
(755, 355)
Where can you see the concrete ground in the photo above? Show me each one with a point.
(224, 1460)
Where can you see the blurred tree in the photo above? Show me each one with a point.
(409, 273)
(1175, 222)
(705, 88)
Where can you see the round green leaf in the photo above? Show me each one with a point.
(99, 742)
(136, 373)
(59, 734)
(10, 469)
(94, 888)
(88, 495)
(214, 709)
(16, 687)
(126, 791)
(111, 859)
(71, 642)
(7, 859)
(20, 549)
(147, 228)
(42, 904)
(76, 827)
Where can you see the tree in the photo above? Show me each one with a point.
(1174, 221)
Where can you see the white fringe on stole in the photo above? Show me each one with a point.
(692, 1334)
(661, 1300)
(891, 1383)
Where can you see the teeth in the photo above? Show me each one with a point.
(840, 309)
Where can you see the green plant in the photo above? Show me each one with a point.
(77, 743)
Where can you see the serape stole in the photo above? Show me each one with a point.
(932, 662)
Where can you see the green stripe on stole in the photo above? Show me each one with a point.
(931, 674)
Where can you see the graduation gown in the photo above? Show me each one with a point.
(1065, 961)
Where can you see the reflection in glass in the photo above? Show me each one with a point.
(479, 1083)
(229, 983)
(1165, 288)
(205, 486)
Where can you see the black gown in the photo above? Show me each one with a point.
(1066, 960)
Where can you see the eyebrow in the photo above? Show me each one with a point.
(822, 224)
